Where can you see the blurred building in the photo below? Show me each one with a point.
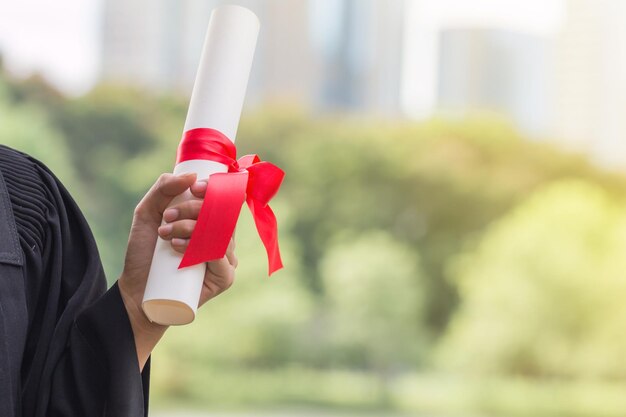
(590, 87)
(496, 70)
(565, 80)
(336, 54)
(358, 44)
(285, 68)
(153, 43)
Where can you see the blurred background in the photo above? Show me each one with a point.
(453, 219)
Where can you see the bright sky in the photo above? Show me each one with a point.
(425, 18)
(60, 38)
(536, 16)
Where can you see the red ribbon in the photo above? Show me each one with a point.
(248, 179)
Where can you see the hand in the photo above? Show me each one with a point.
(180, 221)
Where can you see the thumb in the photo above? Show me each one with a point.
(161, 194)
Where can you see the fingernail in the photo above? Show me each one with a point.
(165, 230)
(170, 214)
(179, 242)
(186, 175)
(201, 185)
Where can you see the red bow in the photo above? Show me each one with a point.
(248, 179)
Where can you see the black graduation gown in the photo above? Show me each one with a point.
(66, 344)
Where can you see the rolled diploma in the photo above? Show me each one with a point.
(172, 295)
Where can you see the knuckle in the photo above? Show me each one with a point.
(183, 207)
(139, 208)
(163, 178)
(189, 208)
(231, 280)
(188, 226)
(193, 206)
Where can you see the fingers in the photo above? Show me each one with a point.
(230, 253)
(198, 189)
(179, 229)
(161, 194)
(219, 277)
(186, 210)
(180, 245)
(180, 223)
(220, 274)
(181, 218)
(222, 268)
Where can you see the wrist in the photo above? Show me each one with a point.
(146, 333)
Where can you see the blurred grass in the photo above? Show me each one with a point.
(509, 396)
(297, 412)
(429, 394)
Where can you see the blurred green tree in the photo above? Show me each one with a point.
(542, 294)
(375, 290)
(27, 128)
(431, 185)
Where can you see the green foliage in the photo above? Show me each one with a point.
(375, 294)
(26, 127)
(431, 185)
(543, 292)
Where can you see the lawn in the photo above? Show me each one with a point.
(301, 392)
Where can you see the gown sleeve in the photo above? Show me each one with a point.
(98, 373)
(66, 344)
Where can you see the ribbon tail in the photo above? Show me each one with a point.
(218, 216)
(267, 226)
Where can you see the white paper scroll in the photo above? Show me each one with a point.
(171, 296)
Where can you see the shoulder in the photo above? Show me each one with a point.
(15, 164)
(29, 194)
